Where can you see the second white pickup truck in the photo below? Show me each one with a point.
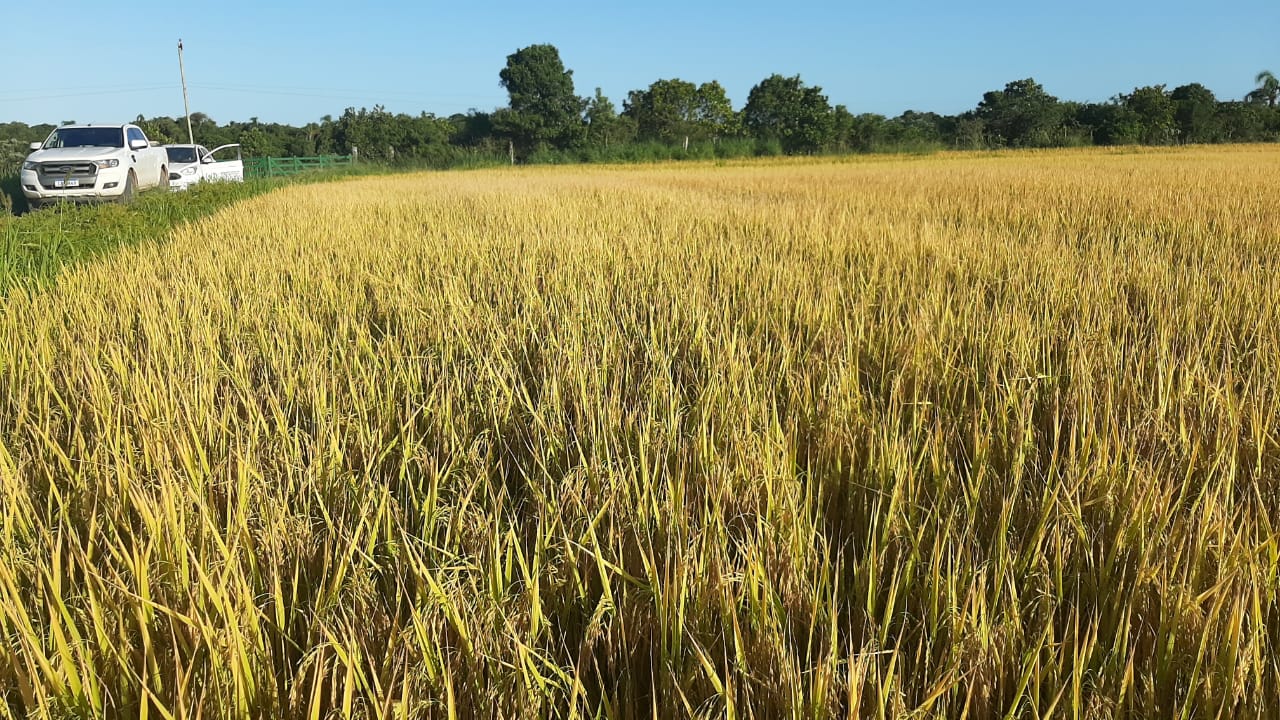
(93, 162)
(190, 164)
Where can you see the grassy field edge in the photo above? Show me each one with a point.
(36, 246)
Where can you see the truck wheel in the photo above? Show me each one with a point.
(130, 186)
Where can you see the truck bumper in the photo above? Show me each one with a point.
(106, 185)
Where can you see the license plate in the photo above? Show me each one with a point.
(66, 183)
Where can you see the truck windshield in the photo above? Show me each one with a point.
(86, 137)
(181, 154)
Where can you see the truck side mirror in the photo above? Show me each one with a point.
(138, 144)
(34, 146)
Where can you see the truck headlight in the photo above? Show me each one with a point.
(104, 164)
(189, 170)
(28, 165)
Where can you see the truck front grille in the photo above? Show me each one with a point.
(68, 169)
(55, 175)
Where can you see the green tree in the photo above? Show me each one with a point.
(356, 128)
(666, 110)
(1268, 90)
(866, 131)
(162, 129)
(1247, 122)
(427, 131)
(714, 116)
(624, 130)
(970, 132)
(786, 110)
(1155, 114)
(1021, 115)
(1110, 123)
(254, 143)
(1195, 113)
(472, 129)
(843, 124)
(543, 107)
(912, 131)
(679, 111)
(602, 120)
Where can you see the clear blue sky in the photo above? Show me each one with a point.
(95, 61)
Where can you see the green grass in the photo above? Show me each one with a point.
(36, 246)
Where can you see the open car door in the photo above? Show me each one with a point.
(224, 163)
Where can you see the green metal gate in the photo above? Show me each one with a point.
(279, 166)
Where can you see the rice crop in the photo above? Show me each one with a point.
(954, 436)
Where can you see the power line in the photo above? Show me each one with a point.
(113, 91)
(336, 92)
(378, 91)
(95, 86)
(322, 93)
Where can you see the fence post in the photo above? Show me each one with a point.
(355, 154)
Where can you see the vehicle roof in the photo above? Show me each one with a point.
(96, 125)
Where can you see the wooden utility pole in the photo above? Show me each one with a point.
(186, 106)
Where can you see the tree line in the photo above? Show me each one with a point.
(547, 121)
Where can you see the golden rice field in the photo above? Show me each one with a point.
(959, 436)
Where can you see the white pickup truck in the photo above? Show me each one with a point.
(85, 163)
(190, 164)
